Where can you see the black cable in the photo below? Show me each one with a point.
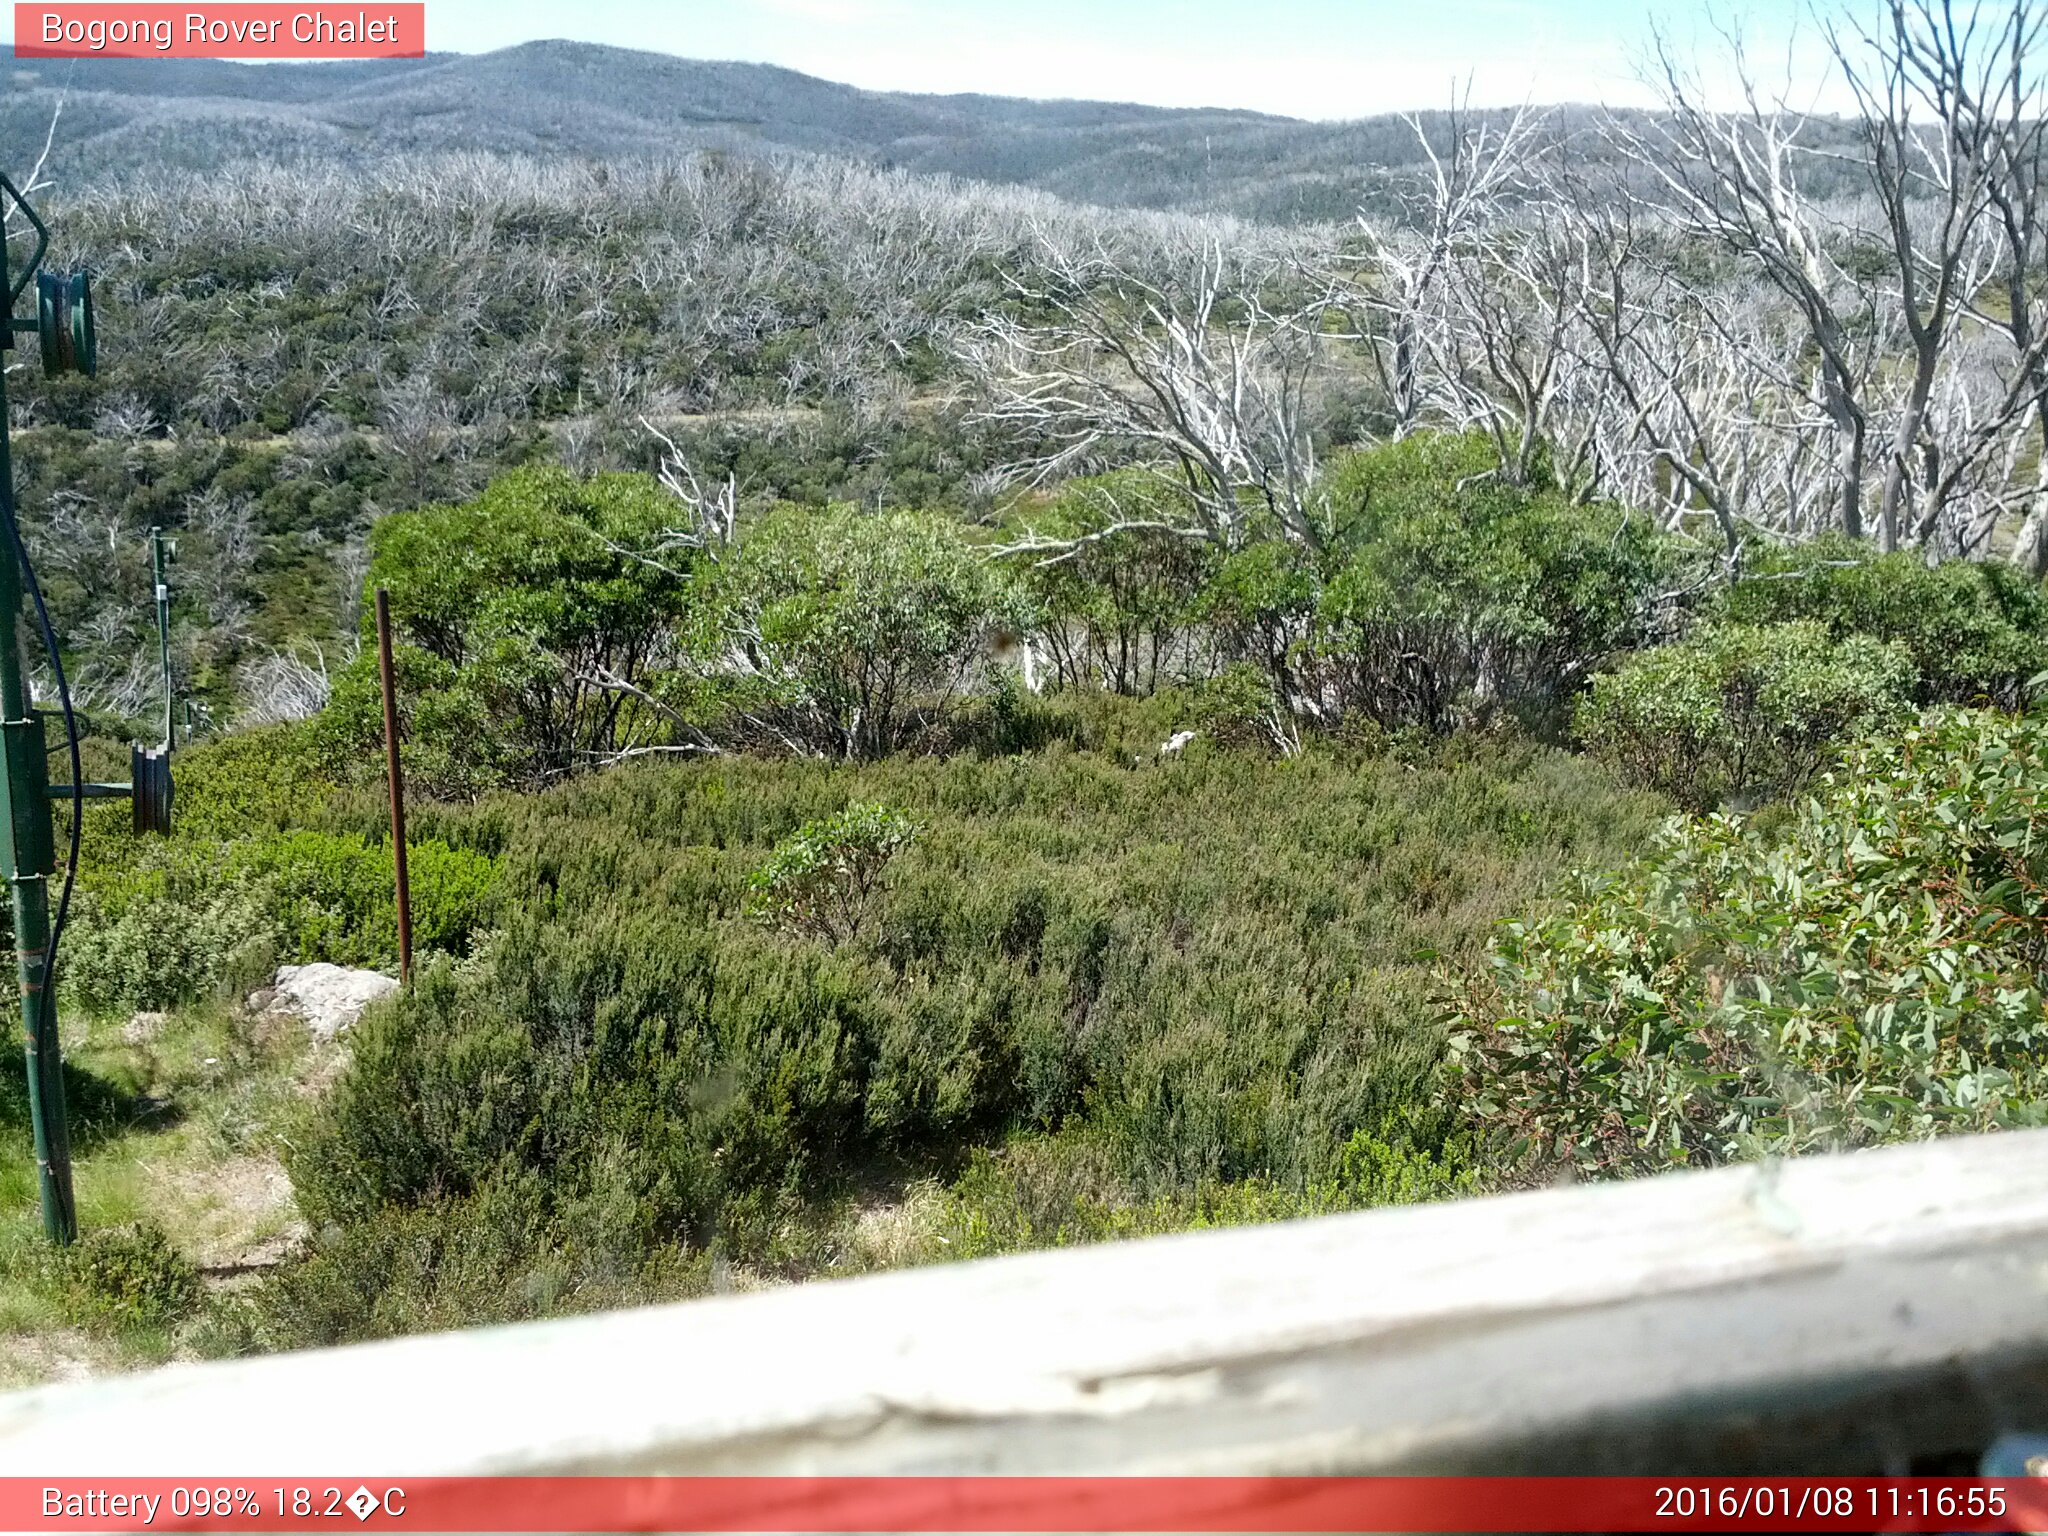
(35, 592)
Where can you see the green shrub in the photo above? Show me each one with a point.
(843, 633)
(1240, 706)
(825, 878)
(1741, 712)
(1458, 592)
(1064, 956)
(1373, 1170)
(1976, 631)
(452, 1264)
(529, 631)
(264, 780)
(1259, 607)
(188, 918)
(129, 1276)
(169, 936)
(1059, 1191)
(1876, 975)
(331, 896)
(695, 1081)
(1116, 607)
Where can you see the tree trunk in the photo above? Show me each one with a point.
(1851, 471)
(1897, 473)
(2030, 547)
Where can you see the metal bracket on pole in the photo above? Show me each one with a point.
(160, 556)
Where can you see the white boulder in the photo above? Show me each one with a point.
(328, 997)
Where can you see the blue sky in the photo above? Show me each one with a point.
(1304, 58)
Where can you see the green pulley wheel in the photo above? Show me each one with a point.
(64, 319)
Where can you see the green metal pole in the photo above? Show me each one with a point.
(30, 859)
(163, 624)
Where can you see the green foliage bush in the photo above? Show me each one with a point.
(825, 878)
(1259, 608)
(1741, 712)
(554, 624)
(453, 1264)
(263, 780)
(1050, 1192)
(127, 1277)
(529, 638)
(1458, 592)
(1874, 975)
(162, 930)
(329, 896)
(844, 633)
(1976, 631)
(1118, 608)
(1241, 706)
(645, 1076)
(187, 919)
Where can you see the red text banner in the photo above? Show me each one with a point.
(1048, 1504)
(225, 31)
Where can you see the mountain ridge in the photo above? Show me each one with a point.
(557, 97)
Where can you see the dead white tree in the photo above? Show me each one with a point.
(1413, 261)
(1970, 475)
(709, 511)
(1923, 335)
(283, 685)
(1932, 160)
(1982, 72)
(1210, 376)
(1698, 402)
(1509, 351)
(1734, 181)
(38, 178)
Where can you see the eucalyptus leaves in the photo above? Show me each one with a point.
(1872, 974)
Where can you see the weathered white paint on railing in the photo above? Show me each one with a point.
(1834, 1311)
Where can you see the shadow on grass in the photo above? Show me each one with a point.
(98, 1108)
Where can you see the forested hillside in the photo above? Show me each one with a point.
(295, 352)
(581, 101)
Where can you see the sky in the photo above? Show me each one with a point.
(1301, 58)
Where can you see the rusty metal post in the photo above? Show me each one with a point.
(397, 779)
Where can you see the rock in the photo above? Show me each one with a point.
(144, 1027)
(328, 997)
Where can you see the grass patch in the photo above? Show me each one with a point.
(177, 1122)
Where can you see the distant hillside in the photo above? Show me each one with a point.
(561, 98)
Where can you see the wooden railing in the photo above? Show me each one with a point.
(1855, 1313)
